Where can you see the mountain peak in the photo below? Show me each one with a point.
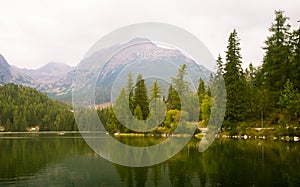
(54, 68)
(3, 62)
(5, 74)
(9, 74)
(138, 40)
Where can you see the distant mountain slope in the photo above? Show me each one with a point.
(145, 52)
(50, 73)
(5, 74)
(10, 75)
(54, 78)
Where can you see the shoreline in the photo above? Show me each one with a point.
(198, 135)
(149, 135)
(262, 137)
(41, 132)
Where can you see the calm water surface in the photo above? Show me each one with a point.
(66, 160)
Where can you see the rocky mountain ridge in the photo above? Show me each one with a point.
(56, 79)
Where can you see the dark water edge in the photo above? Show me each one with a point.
(66, 160)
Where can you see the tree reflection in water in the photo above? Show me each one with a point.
(67, 160)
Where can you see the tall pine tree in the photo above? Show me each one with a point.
(173, 99)
(276, 63)
(141, 96)
(157, 105)
(201, 89)
(179, 88)
(130, 91)
(234, 80)
(120, 110)
(295, 64)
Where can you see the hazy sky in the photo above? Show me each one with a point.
(35, 32)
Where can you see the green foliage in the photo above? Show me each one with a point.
(295, 58)
(201, 89)
(130, 91)
(173, 99)
(23, 107)
(155, 90)
(112, 124)
(260, 92)
(138, 113)
(276, 63)
(234, 80)
(201, 92)
(290, 99)
(157, 106)
(205, 103)
(205, 109)
(121, 106)
(141, 96)
(164, 121)
(179, 88)
(172, 119)
(181, 85)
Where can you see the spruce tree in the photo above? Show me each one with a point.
(220, 68)
(138, 113)
(201, 93)
(295, 64)
(130, 91)
(201, 89)
(120, 110)
(155, 96)
(290, 99)
(252, 95)
(179, 88)
(234, 80)
(112, 124)
(157, 105)
(141, 97)
(276, 62)
(173, 100)
(155, 90)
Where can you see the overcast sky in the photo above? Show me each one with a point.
(35, 32)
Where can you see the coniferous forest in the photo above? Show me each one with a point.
(24, 108)
(267, 95)
(257, 97)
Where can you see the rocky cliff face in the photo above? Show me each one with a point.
(5, 74)
(10, 75)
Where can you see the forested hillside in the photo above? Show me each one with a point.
(22, 108)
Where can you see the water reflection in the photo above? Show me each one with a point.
(54, 160)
